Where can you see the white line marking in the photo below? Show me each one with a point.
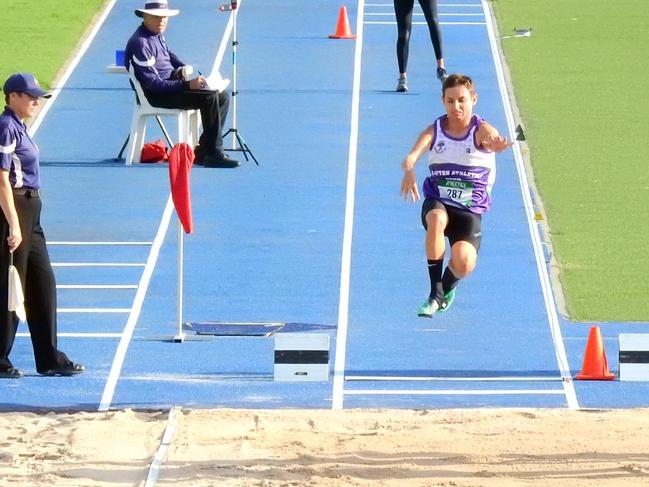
(453, 392)
(345, 268)
(546, 286)
(224, 42)
(378, 22)
(127, 333)
(68, 72)
(96, 286)
(93, 310)
(98, 243)
(79, 335)
(156, 464)
(450, 379)
(97, 264)
(138, 301)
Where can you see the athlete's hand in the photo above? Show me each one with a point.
(15, 238)
(496, 144)
(409, 186)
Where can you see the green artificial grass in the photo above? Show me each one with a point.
(38, 36)
(580, 83)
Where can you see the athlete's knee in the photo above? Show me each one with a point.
(436, 220)
(463, 267)
(463, 259)
(403, 36)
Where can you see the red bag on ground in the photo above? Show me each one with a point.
(154, 152)
(181, 159)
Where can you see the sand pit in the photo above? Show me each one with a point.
(226, 447)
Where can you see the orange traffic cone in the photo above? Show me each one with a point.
(595, 366)
(342, 28)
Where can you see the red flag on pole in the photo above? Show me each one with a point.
(181, 159)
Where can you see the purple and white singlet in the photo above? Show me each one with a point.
(461, 174)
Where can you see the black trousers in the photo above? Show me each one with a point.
(39, 287)
(213, 107)
(403, 13)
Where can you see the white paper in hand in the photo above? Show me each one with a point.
(16, 298)
(214, 82)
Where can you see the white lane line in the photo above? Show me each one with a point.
(345, 268)
(450, 379)
(96, 286)
(71, 67)
(156, 464)
(97, 243)
(127, 334)
(97, 264)
(546, 286)
(453, 392)
(379, 22)
(93, 310)
(79, 335)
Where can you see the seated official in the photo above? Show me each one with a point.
(160, 73)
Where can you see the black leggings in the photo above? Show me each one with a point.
(403, 12)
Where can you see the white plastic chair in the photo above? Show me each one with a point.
(188, 122)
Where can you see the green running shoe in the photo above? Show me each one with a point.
(428, 309)
(449, 297)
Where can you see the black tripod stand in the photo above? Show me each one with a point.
(238, 144)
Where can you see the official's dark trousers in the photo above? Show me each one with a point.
(213, 107)
(39, 287)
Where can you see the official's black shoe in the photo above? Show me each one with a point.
(65, 370)
(10, 373)
(217, 160)
(198, 153)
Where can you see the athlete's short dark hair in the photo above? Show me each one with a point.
(458, 79)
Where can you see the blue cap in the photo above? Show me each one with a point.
(24, 83)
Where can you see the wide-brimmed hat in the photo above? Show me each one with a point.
(24, 83)
(159, 9)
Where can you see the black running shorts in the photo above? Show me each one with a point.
(462, 224)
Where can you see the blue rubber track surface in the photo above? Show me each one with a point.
(269, 246)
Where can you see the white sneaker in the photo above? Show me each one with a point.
(402, 85)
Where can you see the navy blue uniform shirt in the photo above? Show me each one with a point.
(153, 62)
(18, 153)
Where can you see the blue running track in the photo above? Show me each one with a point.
(315, 235)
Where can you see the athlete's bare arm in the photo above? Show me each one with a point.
(488, 138)
(409, 181)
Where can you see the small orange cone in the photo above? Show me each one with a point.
(595, 366)
(343, 30)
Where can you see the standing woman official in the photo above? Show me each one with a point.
(403, 12)
(22, 235)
